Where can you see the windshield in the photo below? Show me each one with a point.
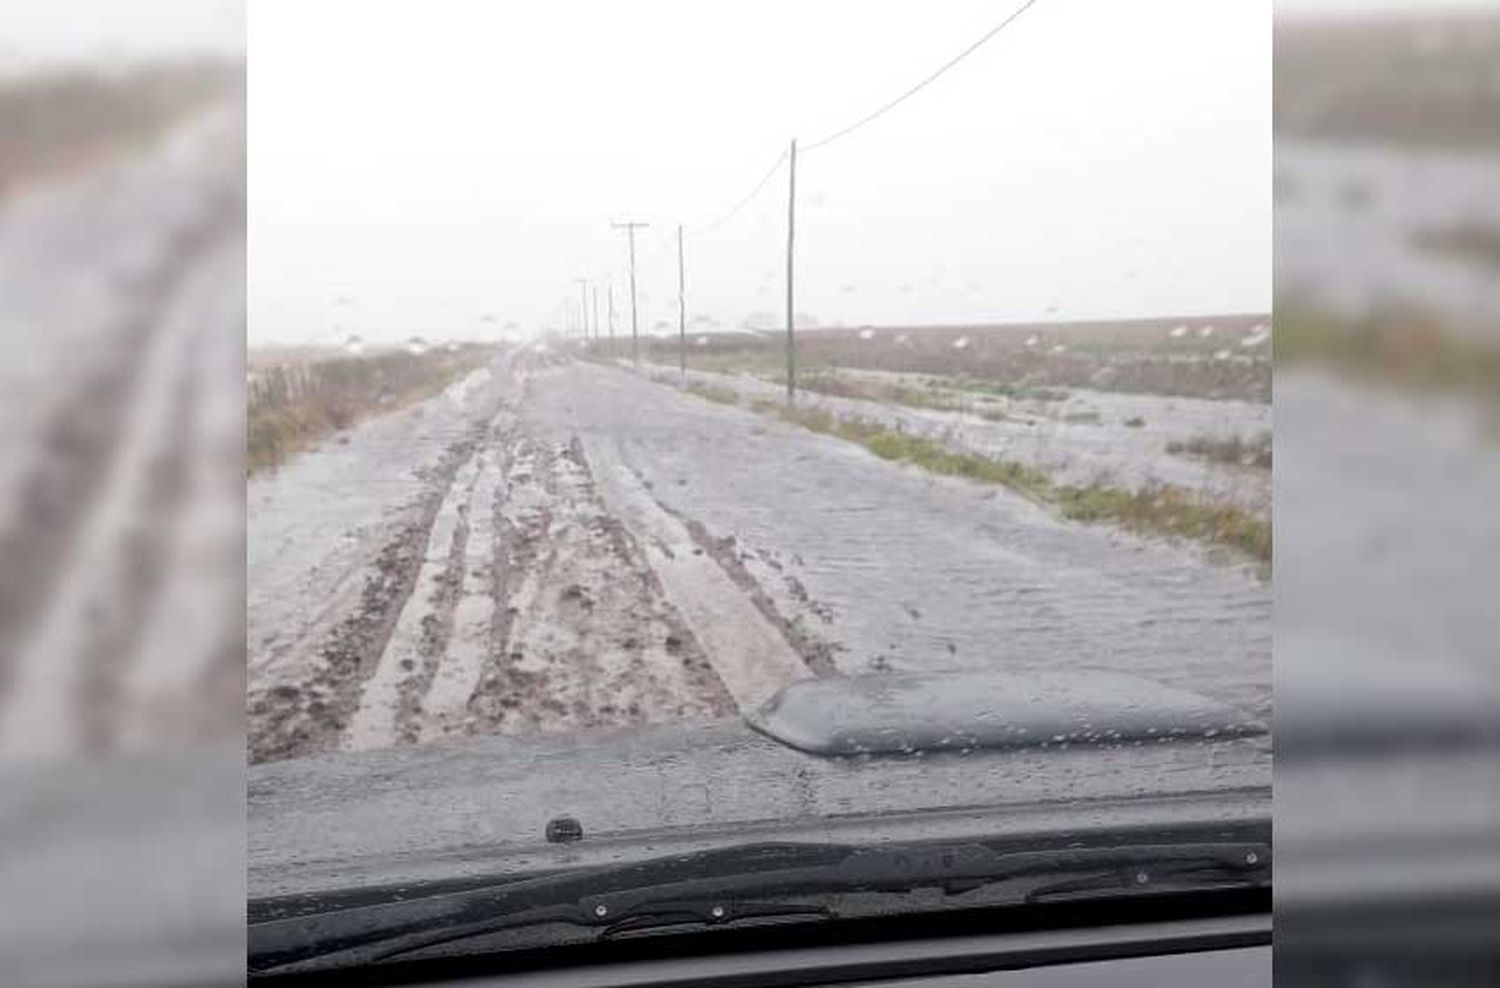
(623, 375)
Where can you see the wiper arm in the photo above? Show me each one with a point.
(710, 914)
(736, 883)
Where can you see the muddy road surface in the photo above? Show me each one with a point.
(122, 298)
(556, 545)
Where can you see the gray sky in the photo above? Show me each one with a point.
(41, 32)
(415, 166)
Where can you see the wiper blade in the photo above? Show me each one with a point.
(732, 884)
(580, 897)
(711, 914)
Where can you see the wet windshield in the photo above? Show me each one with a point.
(614, 369)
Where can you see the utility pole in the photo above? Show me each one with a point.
(681, 311)
(583, 309)
(635, 337)
(791, 225)
(609, 290)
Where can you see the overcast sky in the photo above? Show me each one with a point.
(416, 166)
(40, 32)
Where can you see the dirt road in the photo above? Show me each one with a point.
(121, 455)
(556, 545)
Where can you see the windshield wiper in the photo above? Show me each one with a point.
(738, 883)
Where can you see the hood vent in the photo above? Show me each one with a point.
(906, 714)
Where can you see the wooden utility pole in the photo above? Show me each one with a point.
(635, 335)
(681, 311)
(791, 225)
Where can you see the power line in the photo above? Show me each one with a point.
(782, 157)
(790, 154)
(710, 227)
(923, 84)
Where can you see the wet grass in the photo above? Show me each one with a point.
(959, 395)
(933, 393)
(713, 392)
(1164, 510)
(888, 392)
(1171, 511)
(1410, 351)
(1018, 392)
(291, 407)
(1235, 450)
(58, 120)
(1472, 242)
(836, 385)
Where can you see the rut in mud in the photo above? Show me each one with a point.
(586, 637)
(120, 595)
(289, 719)
(513, 601)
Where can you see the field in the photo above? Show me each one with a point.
(1414, 80)
(1203, 357)
(1143, 424)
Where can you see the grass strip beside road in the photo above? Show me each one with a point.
(292, 407)
(1255, 451)
(1160, 510)
(1405, 350)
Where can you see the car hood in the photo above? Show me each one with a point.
(481, 807)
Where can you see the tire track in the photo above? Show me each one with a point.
(90, 603)
(816, 652)
(747, 646)
(587, 637)
(385, 705)
(471, 640)
(339, 581)
(189, 663)
(85, 440)
(289, 719)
